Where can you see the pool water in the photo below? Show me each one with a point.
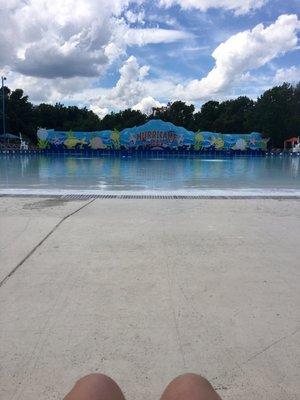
(42, 172)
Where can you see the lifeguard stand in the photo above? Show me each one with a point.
(23, 144)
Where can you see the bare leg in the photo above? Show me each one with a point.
(95, 387)
(190, 387)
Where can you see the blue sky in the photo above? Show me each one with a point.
(138, 53)
(192, 58)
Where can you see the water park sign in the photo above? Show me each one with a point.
(157, 138)
(153, 135)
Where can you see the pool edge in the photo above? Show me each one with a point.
(156, 194)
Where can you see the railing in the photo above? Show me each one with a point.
(143, 153)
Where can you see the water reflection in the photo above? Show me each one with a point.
(160, 173)
(295, 166)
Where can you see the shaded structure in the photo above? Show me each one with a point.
(291, 142)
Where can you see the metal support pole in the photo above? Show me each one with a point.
(3, 104)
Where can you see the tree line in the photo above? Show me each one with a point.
(276, 114)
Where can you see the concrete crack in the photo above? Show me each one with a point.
(271, 345)
(41, 242)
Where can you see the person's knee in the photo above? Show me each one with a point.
(95, 387)
(191, 379)
(191, 386)
(96, 379)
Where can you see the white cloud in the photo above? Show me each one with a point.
(243, 52)
(254, 84)
(128, 91)
(291, 75)
(46, 90)
(131, 90)
(101, 112)
(71, 38)
(163, 19)
(238, 6)
(44, 42)
(188, 52)
(145, 36)
(57, 38)
(146, 105)
(135, 17)
(161, 88)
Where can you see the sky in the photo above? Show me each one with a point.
(109, 55)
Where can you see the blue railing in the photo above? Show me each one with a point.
(151, 153)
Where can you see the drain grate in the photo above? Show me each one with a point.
(130, 196)
(167, 197)
(117, 196)
(159, 196)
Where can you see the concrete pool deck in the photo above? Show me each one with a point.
(144, 290)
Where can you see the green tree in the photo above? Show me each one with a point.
(276, 113)
(205, 119)
(234, 116)
(60, 117)
(6, 97)
(20, 118)
(179, 113)
(122, 119)
(295, 112)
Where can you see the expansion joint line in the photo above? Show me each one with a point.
(12, 272)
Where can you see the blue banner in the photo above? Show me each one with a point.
(153, 135)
